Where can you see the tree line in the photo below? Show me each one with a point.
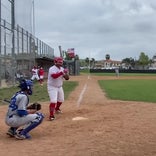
(143, 61)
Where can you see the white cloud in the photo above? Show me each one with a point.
(97, 27)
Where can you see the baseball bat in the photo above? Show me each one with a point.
(5, 100)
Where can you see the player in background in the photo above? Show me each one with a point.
(19, 116)
(56, 74)
(41, 75)
(34, 72)
(117, 71)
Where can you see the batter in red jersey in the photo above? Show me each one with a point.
(56, 74)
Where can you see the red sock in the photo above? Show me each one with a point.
(58, 105)
(41, 81)
(52, 109)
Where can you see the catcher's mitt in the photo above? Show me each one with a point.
(35, 106)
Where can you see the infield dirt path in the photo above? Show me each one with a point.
(109, 128)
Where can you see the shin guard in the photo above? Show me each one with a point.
(32, 124)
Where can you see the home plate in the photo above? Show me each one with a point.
(79, 118)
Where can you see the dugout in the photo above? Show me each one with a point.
(72, 65)
(44, 62)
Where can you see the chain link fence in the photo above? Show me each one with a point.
(19, 50)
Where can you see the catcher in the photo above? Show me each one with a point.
(20, 117)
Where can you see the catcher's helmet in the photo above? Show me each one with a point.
(58, 61)
(26, 85)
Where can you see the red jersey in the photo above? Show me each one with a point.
(41, 72)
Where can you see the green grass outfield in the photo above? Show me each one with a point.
(129, 90)
(40, 93)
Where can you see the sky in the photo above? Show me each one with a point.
(120, 28)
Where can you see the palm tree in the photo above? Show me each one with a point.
(107, 56)
(92, 62)
(76, 57)
(87, 61)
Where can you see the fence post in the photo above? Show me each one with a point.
(0, 45)
(13, 39)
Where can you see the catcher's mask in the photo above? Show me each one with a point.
(58, 61)
(26, 85)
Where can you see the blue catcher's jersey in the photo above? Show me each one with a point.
(18, 102)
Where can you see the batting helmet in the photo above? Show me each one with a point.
(26, 85)
(58, 61)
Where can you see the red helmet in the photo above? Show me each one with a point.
(58, 61)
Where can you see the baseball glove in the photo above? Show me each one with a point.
(35, 106)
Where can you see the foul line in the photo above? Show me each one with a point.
(82, 93)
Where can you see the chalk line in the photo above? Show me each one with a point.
(81, 95)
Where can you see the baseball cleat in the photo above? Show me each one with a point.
(20, 136)
(51, 118)
(11, 132)
(58, 111)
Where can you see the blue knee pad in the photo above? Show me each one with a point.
(33, 124)
(40, 117)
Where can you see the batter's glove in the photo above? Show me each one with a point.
(65, 71)
(66, 77)
(35, 106)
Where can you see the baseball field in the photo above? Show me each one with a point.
(91, 125)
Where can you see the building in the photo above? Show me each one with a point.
(107, 64)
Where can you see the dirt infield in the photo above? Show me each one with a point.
(106, 127)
